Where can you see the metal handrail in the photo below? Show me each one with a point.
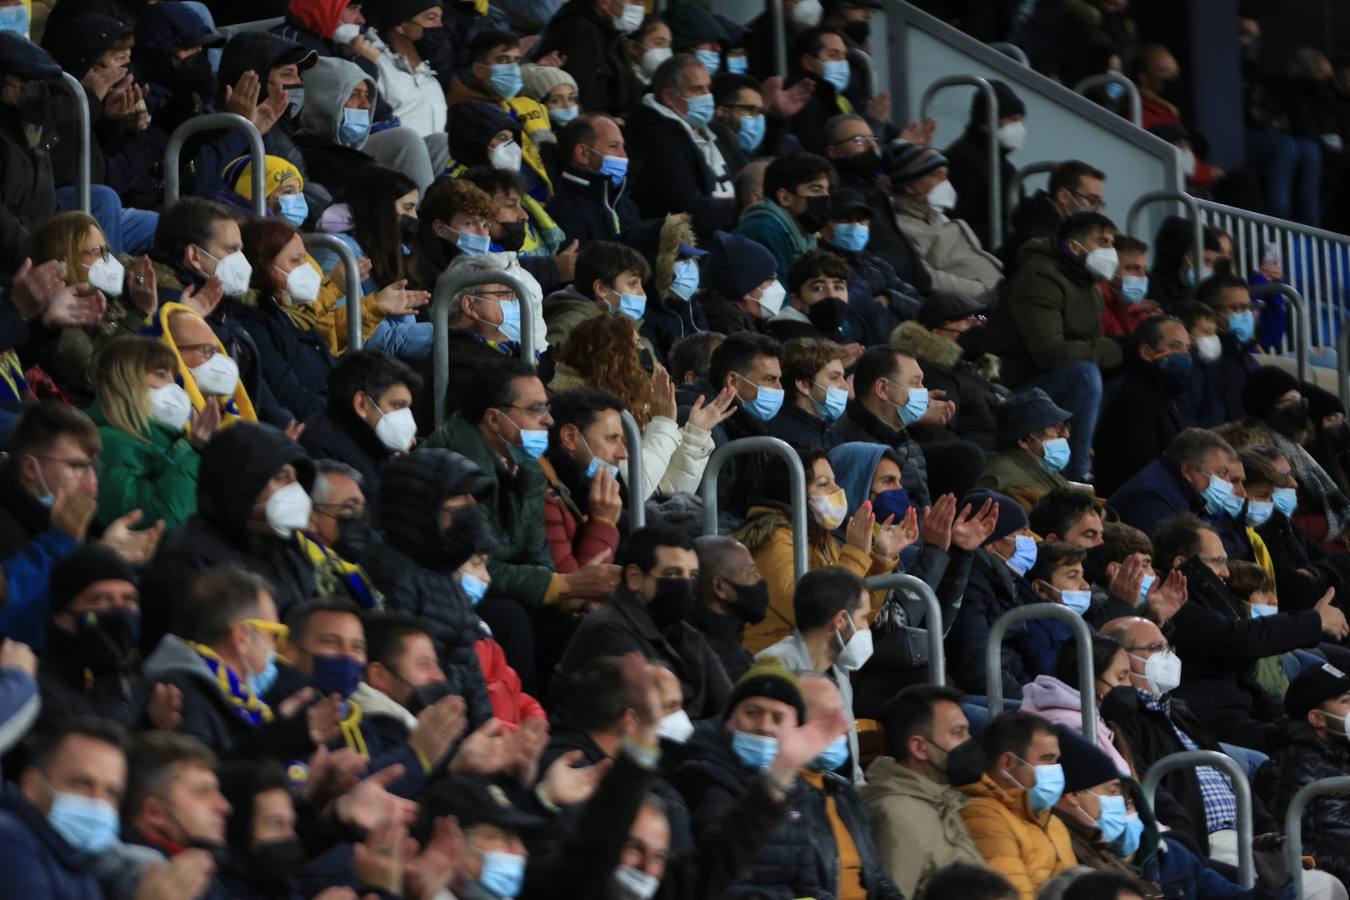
(932, 623)
(1191, 759)
(1192, 206)
(447, 286)
(780, 60)
(796, 475)
(1303, 333)
(217, 122)
(637, 505)
(1343, 359)
(1131, 89)
(1293, 821)
(863, 61)
(991, 126)
(82, 177)
(352, 267)
(1015, 186)
(1012, 51)
(1082, 635)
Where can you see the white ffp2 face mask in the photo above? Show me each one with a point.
(303, 283)
(943, 196)
(288, 510)
(234, 272)
(217, 376)
(1012, 136)
(170, 406)
(396, 429)
(107, 274)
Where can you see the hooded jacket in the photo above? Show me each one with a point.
(37, 861)
(970, 384)
(259, 51)
(677, 168)
(860, 425)
(416, 569)
(597, 58)
(235, 467)
(772, 226)
(1026, 847)
(1298, 758)
(328, 85)
(1052, 699)
(238, 405)
(916, 824)
(1051, 317)
(155, 472)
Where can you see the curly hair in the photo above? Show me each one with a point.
(604, 351)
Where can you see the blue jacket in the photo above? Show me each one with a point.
(1157, 493)
(993, 589)
(1184, 876)
(35, 860)
(1041, 647)
(24, 616)
(801, 429)
(295, 363)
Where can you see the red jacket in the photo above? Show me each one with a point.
(1157, 111)
(509, 703)
(1119, 318)
(572, 543)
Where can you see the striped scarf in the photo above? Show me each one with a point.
(249, 705)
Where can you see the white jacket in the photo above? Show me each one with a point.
(673, 459)
(510, 262)
(414, 95)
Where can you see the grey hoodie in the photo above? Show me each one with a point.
(327, 86)
(173, 655)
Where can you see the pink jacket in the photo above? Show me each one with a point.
(1052, 699)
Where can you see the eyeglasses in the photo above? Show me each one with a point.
(1150, 649)
(861, 140)
(206, 350)
(97, 253)
(275, 629)
(495, 296)
(1094, 202)
(81, 467)
(1220, 561)
(538, 409)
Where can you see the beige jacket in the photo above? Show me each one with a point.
(950, 250)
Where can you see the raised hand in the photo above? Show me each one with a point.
(205, 423)
(184, 877)
(270, 111)
(722, 407)
(919, 131)
(858, 531)
(527, 745)
(644, 690)
(100, 81)
(663, 394)
(438, 727)
(72, 511)
(294, 429)
(567, 786)
(784, 103)
(596, 579)
(76, 306)
(165, 710)
(323, 719)
(136, 547)
(484, 752)
(395, 301)
(894, 537)
(242, 98)
(566, 261)
(203, 300)
(1333, 620)
(441, 860)
(879, 107)
(800, 744)
(370, 805)
(1165, 598)
(938, 521)
(18, 655)
(970, 531)
(34, 287)
(333, 773)
(378, 861)
(604, 500)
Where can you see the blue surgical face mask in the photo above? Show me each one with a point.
(1078, 601)
(506, 80)
(510, 319)
(1112, 819)
(1055, 454)
(337, 674)
(616, 167)
(87, 825)
(700, 109)
(754, 750)
(1243, 325)
(1176, 364)
(473, 587)
(1144, 586)
(503, 873)
(1129, 840)
(293, 208)
(836, 401)
(1115, 91)
(1134, 288)
(1205, 274)
(852, 236)
(711, 59)
(262, 682)
(1049, 787)
(561, 115)
(596, 464)
(915, 406)
(1261, 610)
(631, 305)
(1217, 495)
(738, 65)
(768, 401)
(686, 279)
(471, 243)
(833, 756)
(15, 19)
(836, 73)
(1024, 554)
(355, 126)
(1259, 512)
(1286, 500)
(533, 442)
(751, 133)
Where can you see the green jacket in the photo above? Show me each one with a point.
(1021, 477)
(158, 475)
(772, 226)
(521, 566)
(1051, 316)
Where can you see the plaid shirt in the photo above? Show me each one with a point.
(1215, 789)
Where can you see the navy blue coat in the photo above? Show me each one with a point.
(295, 363)
(37, 861)
(587, 206)
(801, 429)
(1158, 493)
(992, 590)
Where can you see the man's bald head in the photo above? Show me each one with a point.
(1131, 631)
(718, 554)
(189, 328)
(820, 694)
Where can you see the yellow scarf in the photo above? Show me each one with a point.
(248, 704)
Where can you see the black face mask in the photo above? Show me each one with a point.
(752, 600)
(428, 695)
(1121, 704)
(816, 216)
(1292, 419)
(965, 762)
(673, 601)
(974, 342)
(1338, 436)
(461, 538)
(108, 636)
(276, 862)
(513, 236)
(408, 225)
(858, 31)
(827, 315)
(354, 536)
(194, 73)
(864, 165)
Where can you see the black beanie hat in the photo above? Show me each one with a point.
(1009, 104)
(391, 13)
(1084, 765)
(768, 677)
(472, 126)
(1265, 386)
(88, 564)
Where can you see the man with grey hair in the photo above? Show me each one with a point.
(1197, 474)
(485, 325)
(731, 594)
(749, 184)
(340, 535)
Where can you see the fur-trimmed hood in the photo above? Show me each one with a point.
(677, 229)
(928, 347)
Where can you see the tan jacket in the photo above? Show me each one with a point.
(1027, 848)
(950, 250)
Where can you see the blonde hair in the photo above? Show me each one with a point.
(62, 238)
(119, 384)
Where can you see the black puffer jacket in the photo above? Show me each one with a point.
(261, 51)
(27, 191)
(235, 467)
(801, 859)
(886, 239)
(1302, 758)
(991, 591)
(416, 570)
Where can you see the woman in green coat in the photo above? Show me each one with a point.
(150, 438)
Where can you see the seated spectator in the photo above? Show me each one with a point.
(62, 813)
(968, 157)
(1033, 448)
(292, 349)
(1128, 303)
(748, 363)
(854, 151)
(1074, 187)
(744, 125)
(1235, 321)
(1010, 809)
(202, 363)
(53, 451)
(151, 440)
(690, 358)
(1057, 577)
(525, 240)
(767, 534)
(1328, 435)
(952, 255)
(876, 295)
(743, 287)
(1255, 588)
(648, 47)
(403, 678)
(592, 201)
(679, 166)
(1172, 279)
(28, 196)
(221, 659)
(911, 794)
(339, 536)
(674, 307)
(484, 329)
(874, 415)
(282, 182)
(407, 81)
(593, 36)
(832, 611)
(585, 450)
(796, 205)
(820, 54)
(1144, 413)
(1054, 695)
(649, 613)
(817, 394)
(1192, 475)
(1070, 516)
(369, 418)
(732, 594)
(609, 279)
(1204, 402)
(1093, 810)
(1121, 571)
(946, 339)
(997, 584)
(555, 90)
(1048, 331)
(454, 220)
(818, 305)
